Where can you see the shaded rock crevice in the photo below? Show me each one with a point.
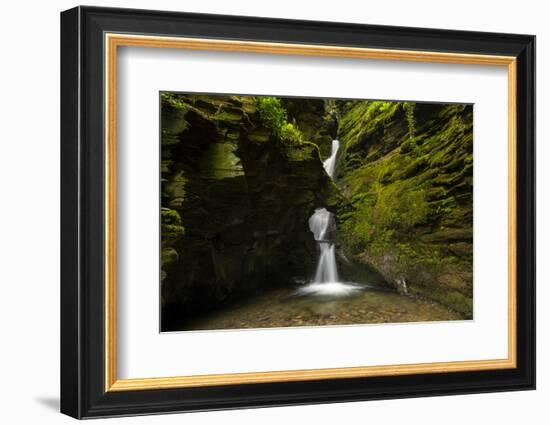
(242, 196)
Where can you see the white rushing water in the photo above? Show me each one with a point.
(330, 162)
(323, 225)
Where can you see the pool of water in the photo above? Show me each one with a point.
(315, 305)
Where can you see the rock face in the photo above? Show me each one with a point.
(241, 176)
(407, 171)
(317, 119)
(236, 200)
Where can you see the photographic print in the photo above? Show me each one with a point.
(287, 211)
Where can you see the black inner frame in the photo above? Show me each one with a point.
(82, 212)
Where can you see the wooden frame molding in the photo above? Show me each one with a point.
(111, 43)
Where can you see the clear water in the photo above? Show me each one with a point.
(289, 307)
(334, 289)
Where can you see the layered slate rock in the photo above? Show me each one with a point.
(407, 170)
(236, 201)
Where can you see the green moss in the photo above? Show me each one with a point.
(409, 111)
(448, 297)
(272, 113)
(173, 100)
(412, 168)
(168, 255)
(407, 170)
(174, 110)
(290, 134)
(228, 115)
(171, 228)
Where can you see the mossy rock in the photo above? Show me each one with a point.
(407, 171)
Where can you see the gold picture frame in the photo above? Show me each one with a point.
(114, 41)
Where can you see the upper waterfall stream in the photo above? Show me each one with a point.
(330, 163)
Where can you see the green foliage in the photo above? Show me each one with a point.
(291, 134)
(273, 115)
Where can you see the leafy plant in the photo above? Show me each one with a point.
(290, 133)
(273, 115)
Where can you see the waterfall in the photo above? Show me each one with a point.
(330, 163)
(323, 226)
